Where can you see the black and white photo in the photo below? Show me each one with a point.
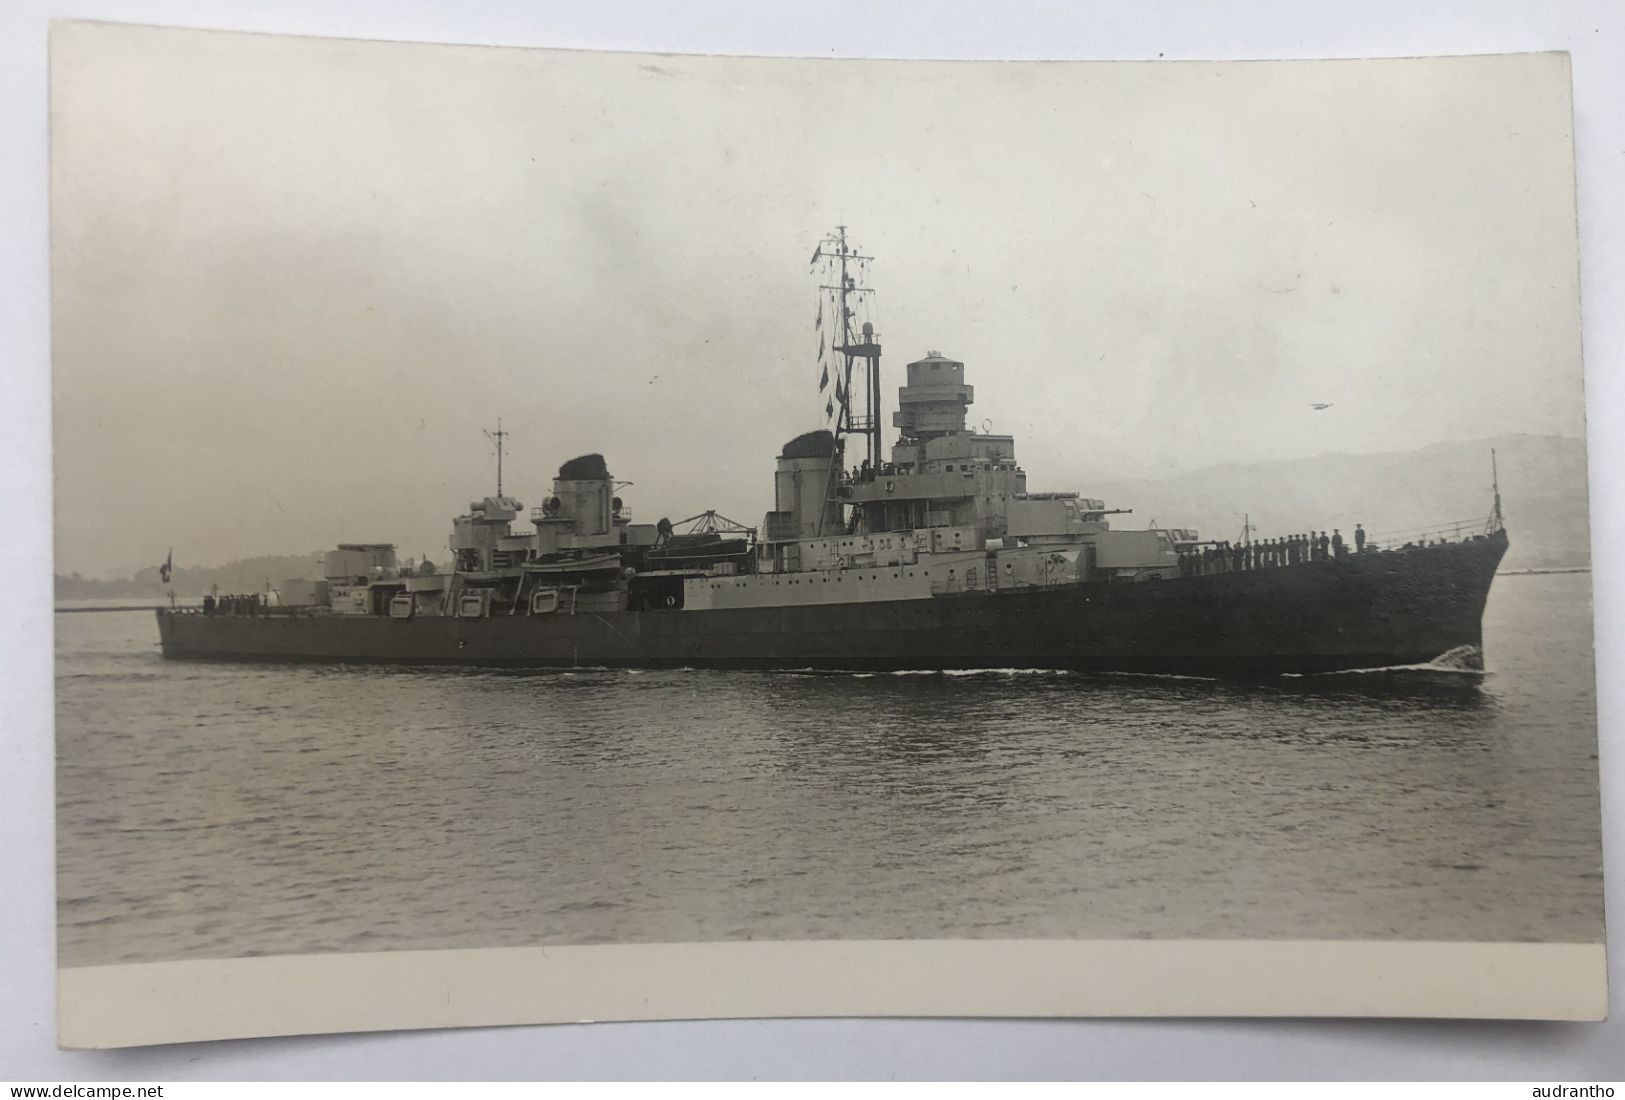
(584, 535)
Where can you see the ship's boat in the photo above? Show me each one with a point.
(932, 554)
(597, 564)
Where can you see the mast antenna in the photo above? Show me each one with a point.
(1495, 523)
(849, 269)
(496, 438)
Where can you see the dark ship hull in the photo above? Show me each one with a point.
(1370, 610)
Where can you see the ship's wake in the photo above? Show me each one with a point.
(962, 672)
(1005, 673)
(1464, 661)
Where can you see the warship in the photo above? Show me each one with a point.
(932, 555)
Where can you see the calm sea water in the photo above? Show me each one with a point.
(219, 810)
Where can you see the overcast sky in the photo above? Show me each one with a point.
(294, 278)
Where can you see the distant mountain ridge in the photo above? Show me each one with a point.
(242, 576)
(1543, 494)
(1543, 491)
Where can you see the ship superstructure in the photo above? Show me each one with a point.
(932, 555)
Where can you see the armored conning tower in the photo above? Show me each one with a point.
(942, 474)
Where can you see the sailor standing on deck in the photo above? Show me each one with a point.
(1322, 547)
(1359, 539)
(1338, 549)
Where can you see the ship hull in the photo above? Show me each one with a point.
(1363, 611)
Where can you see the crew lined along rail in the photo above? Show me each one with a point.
(1272, 553)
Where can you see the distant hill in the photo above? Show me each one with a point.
(1543, 493)
(246, 575)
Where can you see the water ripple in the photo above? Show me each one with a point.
(210, 810)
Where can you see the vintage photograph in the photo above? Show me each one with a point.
(532, 499)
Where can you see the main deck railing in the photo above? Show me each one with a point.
(1448, 531)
